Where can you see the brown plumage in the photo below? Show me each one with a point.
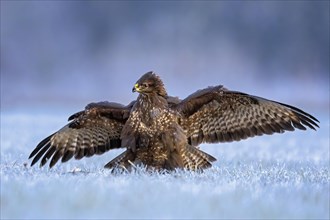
(163, 132)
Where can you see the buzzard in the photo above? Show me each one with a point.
(163, 132)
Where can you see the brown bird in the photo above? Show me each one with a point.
(163, 132)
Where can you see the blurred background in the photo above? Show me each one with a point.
(65, 54)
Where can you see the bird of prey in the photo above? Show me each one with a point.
(163, 132)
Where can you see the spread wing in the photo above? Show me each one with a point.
(216, 115)
(92, 131)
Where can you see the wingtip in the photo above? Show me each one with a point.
(31, 155)
(33, 162)
(35, 151)
(312, 117)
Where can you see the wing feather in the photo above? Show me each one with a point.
(40, 153)
(93, 131)
(48, 155)
(216, 115)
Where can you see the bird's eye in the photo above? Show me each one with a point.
(144, 85)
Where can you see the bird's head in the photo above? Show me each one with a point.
(150, 83)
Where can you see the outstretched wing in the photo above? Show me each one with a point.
(92, 131)
(216, 115)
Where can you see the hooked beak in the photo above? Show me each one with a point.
(136, 88)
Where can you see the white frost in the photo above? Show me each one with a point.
(279, 176)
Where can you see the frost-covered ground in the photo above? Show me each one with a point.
(279, 176)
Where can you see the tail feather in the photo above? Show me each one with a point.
(194, 159)
(189, 157)
(121, 161)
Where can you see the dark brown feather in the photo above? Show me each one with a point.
(40, 145)
(40, 153)
(58, 154)
(48, 155)
(93, 131)
(234, 116)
